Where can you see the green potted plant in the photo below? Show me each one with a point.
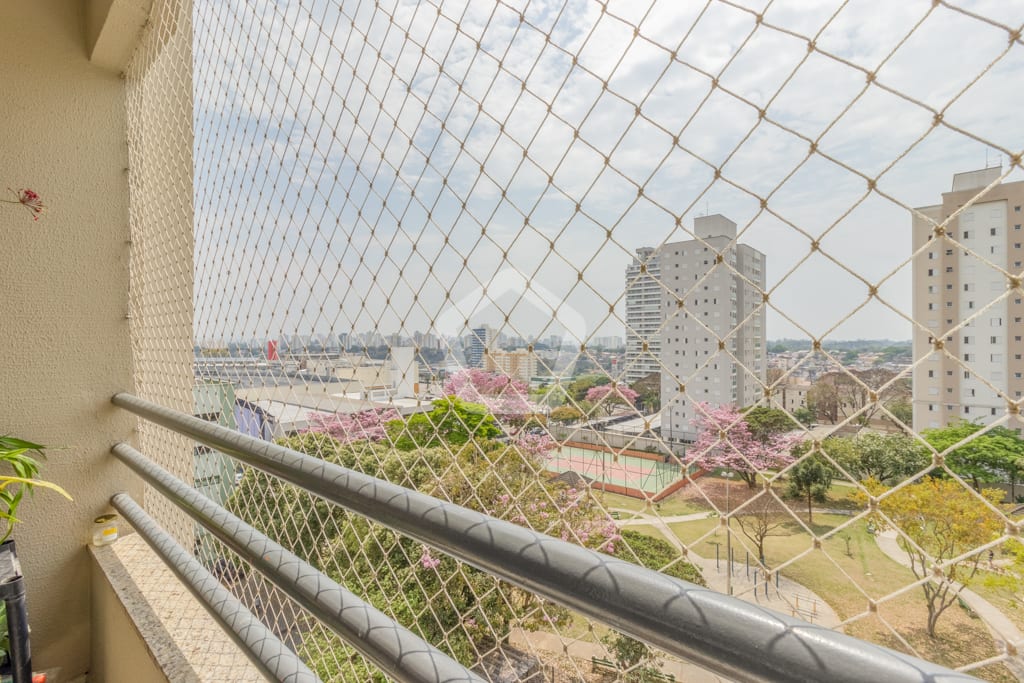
(19, 476)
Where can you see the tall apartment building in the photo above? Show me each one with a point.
(702, 304)
(952, 285)
(480, 339)
(519, 364)
(643, 315)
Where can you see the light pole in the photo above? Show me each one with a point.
(728, 533)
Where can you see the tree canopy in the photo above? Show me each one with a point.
(452, 422)
(945, 521)
(995, 456)
(888, 458)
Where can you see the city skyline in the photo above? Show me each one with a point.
(532, 163)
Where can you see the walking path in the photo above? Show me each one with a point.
(1005, 632)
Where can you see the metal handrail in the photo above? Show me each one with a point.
(259, 643)
(721, 633)
(397, 651)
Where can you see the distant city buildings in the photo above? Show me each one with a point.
(519, 364)
(708, 309)
(612, 342)
(643, 315)
(951, 285)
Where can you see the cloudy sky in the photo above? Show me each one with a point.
(402, 165)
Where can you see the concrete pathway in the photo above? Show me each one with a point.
(1005, 632)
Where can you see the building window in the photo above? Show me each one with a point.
(992, 231)
(931, 272)
(949, 269)
(949, 252)
(931, 256)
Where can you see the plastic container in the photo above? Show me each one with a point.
(104, 529)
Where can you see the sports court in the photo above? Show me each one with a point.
(629, 472)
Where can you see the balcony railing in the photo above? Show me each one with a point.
(721, 633)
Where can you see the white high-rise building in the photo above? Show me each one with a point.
(643, 315)
(710, 312)
(953, 284)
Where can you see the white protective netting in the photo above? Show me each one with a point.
(471, 247)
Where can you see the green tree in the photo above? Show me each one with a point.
(889, 458)
(654, 553)
(648, 389)
(902, 410)
(452, 421)
(944, 522)
(804, 415)
(766, 423)
(455, 606)
(566, 414)
(995, 456)
(810, 479)
(578, 388)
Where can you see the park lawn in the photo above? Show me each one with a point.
(673, 505)
(1002, 592)
(843, 495)
(961, 639)
(615, 501)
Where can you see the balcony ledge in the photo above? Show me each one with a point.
(148, 627)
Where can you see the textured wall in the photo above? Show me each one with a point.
(65, 288)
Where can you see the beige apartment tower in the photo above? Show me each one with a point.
(953, 284)
(712, 340)
(518, 364)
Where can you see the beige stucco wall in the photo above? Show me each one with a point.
(64, 282)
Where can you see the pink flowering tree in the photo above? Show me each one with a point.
(534, 445)
(365, 425)
(726, 441)
(504, 397)
(610, 396)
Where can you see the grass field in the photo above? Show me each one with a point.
(849, 582)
